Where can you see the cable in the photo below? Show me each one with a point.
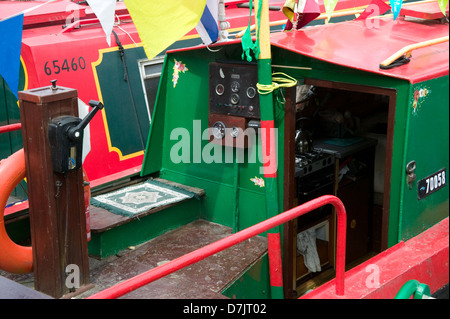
(277, 82)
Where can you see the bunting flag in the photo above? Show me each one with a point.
(396, 6)
(208, 27)
(329, 7)
(159, 25)
(288, 9)
(10, 49)
(443, 5)
(375, 8)
(104, 10)
(307, 11)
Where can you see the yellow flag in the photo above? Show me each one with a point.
(329, 7)
(161, 23)
(443, 5)
(288, 9)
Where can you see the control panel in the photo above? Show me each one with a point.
(233, 102)
(232, 89)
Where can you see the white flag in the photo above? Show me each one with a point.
(104, 10)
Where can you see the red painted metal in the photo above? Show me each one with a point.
(88, 44)
(269, 151)
(360, 46)
(424, 258)
(275, 261)
(79, 23)
(429, 11)
(19, 207)
(156, 273)
(234, 2)
(10, 128)
(54, 11)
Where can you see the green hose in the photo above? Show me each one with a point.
(413, 287)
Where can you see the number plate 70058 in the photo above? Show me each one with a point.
(431, 184)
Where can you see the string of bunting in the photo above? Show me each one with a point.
(307, 10)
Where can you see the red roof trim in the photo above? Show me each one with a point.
(364, 46)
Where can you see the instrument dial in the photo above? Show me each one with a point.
(218, 130)
(251, 92)
(235, 86)
(220, 89)
(234, 132)
(234, 98)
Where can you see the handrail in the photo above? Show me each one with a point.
(10, 128)
(406, 51)
(79, 23)
(322, 16)
(151, 275)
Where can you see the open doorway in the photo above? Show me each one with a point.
(350, 130)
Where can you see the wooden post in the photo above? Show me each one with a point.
(269, 149)
(56, 201)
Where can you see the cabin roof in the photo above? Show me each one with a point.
(364, 45)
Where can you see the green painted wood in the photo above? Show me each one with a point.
(427, 144)
(253, 284)
(138, 231)
(178, 107)
(128, 125)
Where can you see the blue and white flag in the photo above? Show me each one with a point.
(208, 27)
(10, 49)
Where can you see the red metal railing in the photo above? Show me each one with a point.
(156, 273)
(10, 128)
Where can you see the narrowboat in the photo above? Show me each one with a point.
(317, 170)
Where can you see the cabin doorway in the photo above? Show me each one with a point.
(350, 129)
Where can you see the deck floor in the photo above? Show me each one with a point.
(203, 280)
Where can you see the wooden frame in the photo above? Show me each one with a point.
(289, 169)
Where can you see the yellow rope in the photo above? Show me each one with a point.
(277, 82)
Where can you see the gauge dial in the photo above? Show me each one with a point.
(235, 86)
(234, 132)
(251, 92)
(234, 98)
(220, 89)
(218, 130)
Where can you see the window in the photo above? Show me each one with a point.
(150, 75)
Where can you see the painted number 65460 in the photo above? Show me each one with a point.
(58, 66)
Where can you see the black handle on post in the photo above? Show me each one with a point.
(74, 132)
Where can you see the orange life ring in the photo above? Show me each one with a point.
(13, 258)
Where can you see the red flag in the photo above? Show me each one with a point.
(375, 8)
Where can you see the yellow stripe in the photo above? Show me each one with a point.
(25, 71)
(264, 32)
